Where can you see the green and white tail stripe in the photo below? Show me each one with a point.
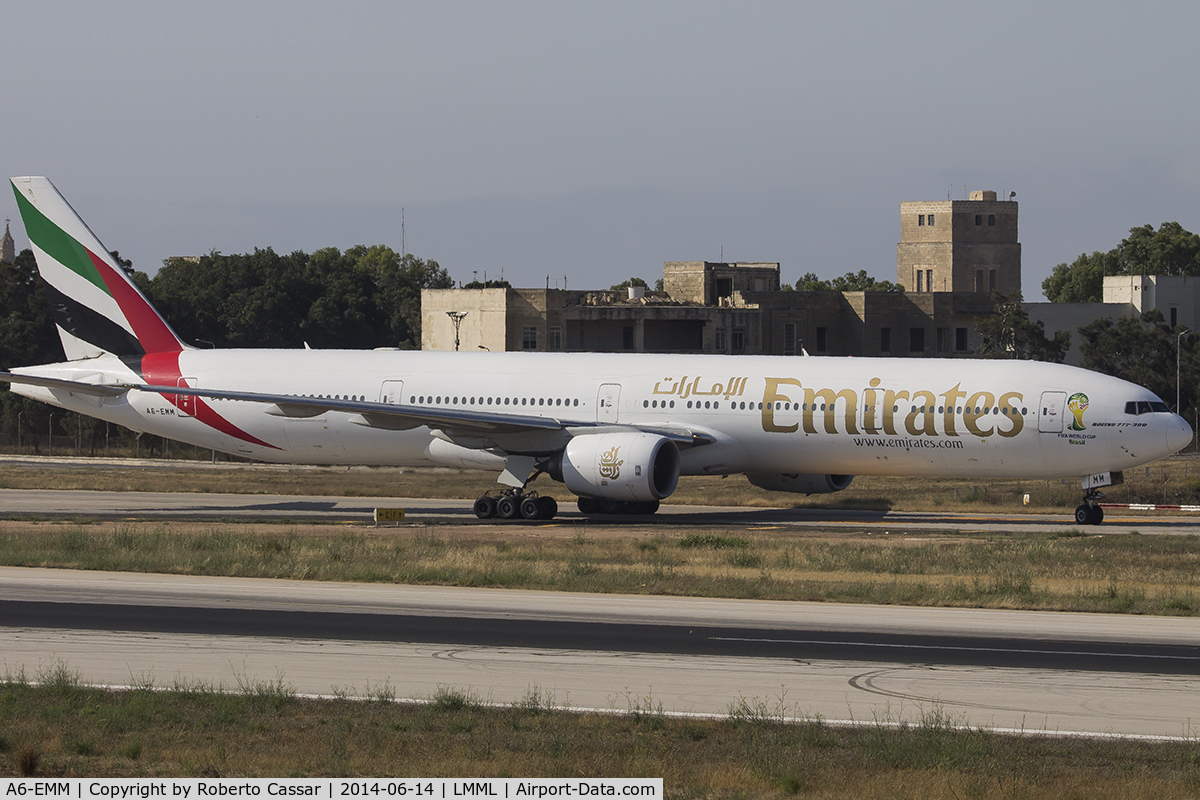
(96, 307)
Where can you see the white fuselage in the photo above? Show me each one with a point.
(854, 416)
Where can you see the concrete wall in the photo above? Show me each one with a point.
(1071, 316)
(486, 322)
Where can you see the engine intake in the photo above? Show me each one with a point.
(799, 483)
(621, 466)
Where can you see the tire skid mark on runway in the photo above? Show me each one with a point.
(868, 682)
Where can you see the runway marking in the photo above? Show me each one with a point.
(898, 646)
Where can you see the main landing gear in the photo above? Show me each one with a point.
(515, 504)
(606, 505)
(1089, 512)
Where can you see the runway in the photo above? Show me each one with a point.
(249, 507)
(1011, 670)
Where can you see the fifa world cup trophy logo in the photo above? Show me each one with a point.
(1078, 404)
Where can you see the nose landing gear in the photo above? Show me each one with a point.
(1089, 511)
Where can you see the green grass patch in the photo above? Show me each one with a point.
(1113, 573)
(760, 749)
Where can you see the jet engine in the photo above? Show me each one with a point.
(800, 483)
(620, 466)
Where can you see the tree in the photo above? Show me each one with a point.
(623, 285)
(1009, 333)
(1170, 250)
(850, 282)
(1142, 350)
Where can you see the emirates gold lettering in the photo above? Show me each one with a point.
(610, 465)
(923, 412)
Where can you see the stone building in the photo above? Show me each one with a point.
(959, 246)
(950, 257)
(8, 248)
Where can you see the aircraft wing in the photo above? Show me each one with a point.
(376, 415)
(78, 387)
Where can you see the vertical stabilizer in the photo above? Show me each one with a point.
(96, 307)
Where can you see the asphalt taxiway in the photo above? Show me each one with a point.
(251, 507)
(1011, 670)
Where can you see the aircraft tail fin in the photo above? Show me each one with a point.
(96, 306)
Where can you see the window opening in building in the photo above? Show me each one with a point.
(960, 340)
(979, 280)
(916, 340)
(991, 220)
(822, 339)
(719, 343)
(920, 280)
(920, 220)
(979, 220)
(789, 338)
(738, 340)
(991, 280)
(930, 218)
(555, 342)
(885, 340)
(943, 340)
(627, 337)
(1174, 316)
(529, 338)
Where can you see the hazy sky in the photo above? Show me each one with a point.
(595, 141)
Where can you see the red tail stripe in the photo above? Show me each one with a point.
(148, 326)
(162, 369)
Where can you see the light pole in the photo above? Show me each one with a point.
(457, 316)
(1178, 346)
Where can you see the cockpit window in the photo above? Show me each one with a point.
(1146, 407)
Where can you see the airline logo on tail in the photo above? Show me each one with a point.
(96, 306)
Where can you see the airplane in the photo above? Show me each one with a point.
(617, 429)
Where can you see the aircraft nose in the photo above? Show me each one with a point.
(1179, 434)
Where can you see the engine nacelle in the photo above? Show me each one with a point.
(799, 483)
(621, 466)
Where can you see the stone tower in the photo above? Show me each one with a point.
(959, 246)
(8, 248)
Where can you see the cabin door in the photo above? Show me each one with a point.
(608, 402)
(392, 393)
(1050, 413)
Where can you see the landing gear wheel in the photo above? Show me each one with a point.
(642, 507)
(587, 505)
(548, 506)
(485, 507)
(1097, 515)
(531, 508)
(610, 506)
(1083, 515)
(508, 507)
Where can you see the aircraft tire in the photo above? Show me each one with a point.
(549, 507)
(611, 506)
(508, 508)
(485, 507)
(1097, 515)
(531, 508)
(1083, 515)
(587, 505)
(642, 507)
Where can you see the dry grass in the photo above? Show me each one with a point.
(265, 730)
(1171, 480)
(1064, 571)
